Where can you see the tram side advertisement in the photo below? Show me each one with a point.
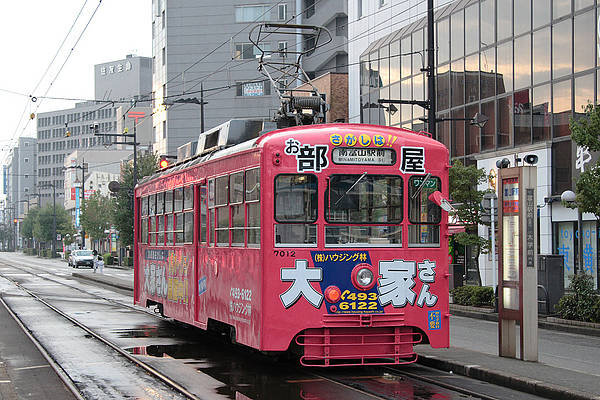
(167, 276)
(399, 283)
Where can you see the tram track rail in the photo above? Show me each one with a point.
(394, 373)
(62, 374)
(331, 377)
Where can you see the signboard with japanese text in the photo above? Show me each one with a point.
(401, 283)
(361, 156)
(517, 266)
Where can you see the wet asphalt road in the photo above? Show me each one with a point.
(202, 362)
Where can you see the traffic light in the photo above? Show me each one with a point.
(68, 133)
(163, 163)
(15, 220)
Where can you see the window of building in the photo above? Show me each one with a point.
(245, 51)
(585, 29)
(561, 47)
(164, 55)
(254, 13)
(561, 108)
(359, 8)
(282, 46)
(281, 11)
(541, 55)
(309, 6)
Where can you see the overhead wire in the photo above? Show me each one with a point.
(63, 64)
(50, 64)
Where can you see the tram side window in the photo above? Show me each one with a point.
(160, 203)
(160, 229)
(364, 210)
(170, 229)
(203, 214)
(188, 227)
(143, 238)
(179, 229)
(237, 209)
(178, 201)
(152, 205)
(144, 206)
(152, 230)
(160, 220)
(144, 230)
(423, 214)
(296, 209)
(168, 201)
(188, 197)
(252, 198)
(222, 210)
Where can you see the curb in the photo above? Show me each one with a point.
(114, 283)
(518, 383)
(542, 322)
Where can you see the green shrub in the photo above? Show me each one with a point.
(108, 259)
(128, 261)
(582, 304)
(476, 296)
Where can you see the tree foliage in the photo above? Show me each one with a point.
(29, 222)
(147, 164)
(585, 131)
(467, 203)
(96, 213)
(42, 229)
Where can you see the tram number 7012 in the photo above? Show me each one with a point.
(284, 253)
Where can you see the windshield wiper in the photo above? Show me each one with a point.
(351, 187)
(415, 194)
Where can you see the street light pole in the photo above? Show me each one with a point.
(431, 71)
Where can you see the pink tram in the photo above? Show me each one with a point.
(323, 239)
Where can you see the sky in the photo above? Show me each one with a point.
(32, 32)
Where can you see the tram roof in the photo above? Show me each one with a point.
(258, 141)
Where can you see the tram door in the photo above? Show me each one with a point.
(202, 261)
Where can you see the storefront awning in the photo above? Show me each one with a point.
(452, 229)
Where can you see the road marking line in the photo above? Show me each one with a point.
(32, 367)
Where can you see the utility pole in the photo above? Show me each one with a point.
(431, 71)
(202, 106)
(53, 215)
(430, 103)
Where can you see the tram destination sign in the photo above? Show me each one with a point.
(370, 156)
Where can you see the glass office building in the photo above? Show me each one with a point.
(528, 65)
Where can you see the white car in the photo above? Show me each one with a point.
(79, 258)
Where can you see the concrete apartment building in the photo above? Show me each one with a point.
(62, 132)
(205, 44)
(21, 173)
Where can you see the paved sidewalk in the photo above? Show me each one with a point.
(569, 366)
(24, 372)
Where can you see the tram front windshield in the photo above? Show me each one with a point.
(363, 209)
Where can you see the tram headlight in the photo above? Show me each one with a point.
(364, 277)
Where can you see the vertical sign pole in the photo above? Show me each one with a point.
(517, 269)
(493, 250)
